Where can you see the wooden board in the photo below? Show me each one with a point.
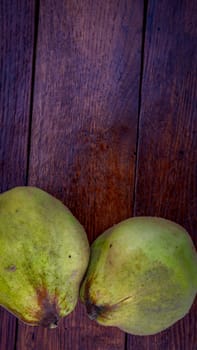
(166, 172)
(16, 37)
(84, 130)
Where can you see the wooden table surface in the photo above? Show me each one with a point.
(97, 107)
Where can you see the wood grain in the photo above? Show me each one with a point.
(166, 172)
(84, 126)
(16, 37)
(84, 132)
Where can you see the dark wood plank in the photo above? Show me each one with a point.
(8, 330)
(16, 38)
(167, 152)
(84, 132)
